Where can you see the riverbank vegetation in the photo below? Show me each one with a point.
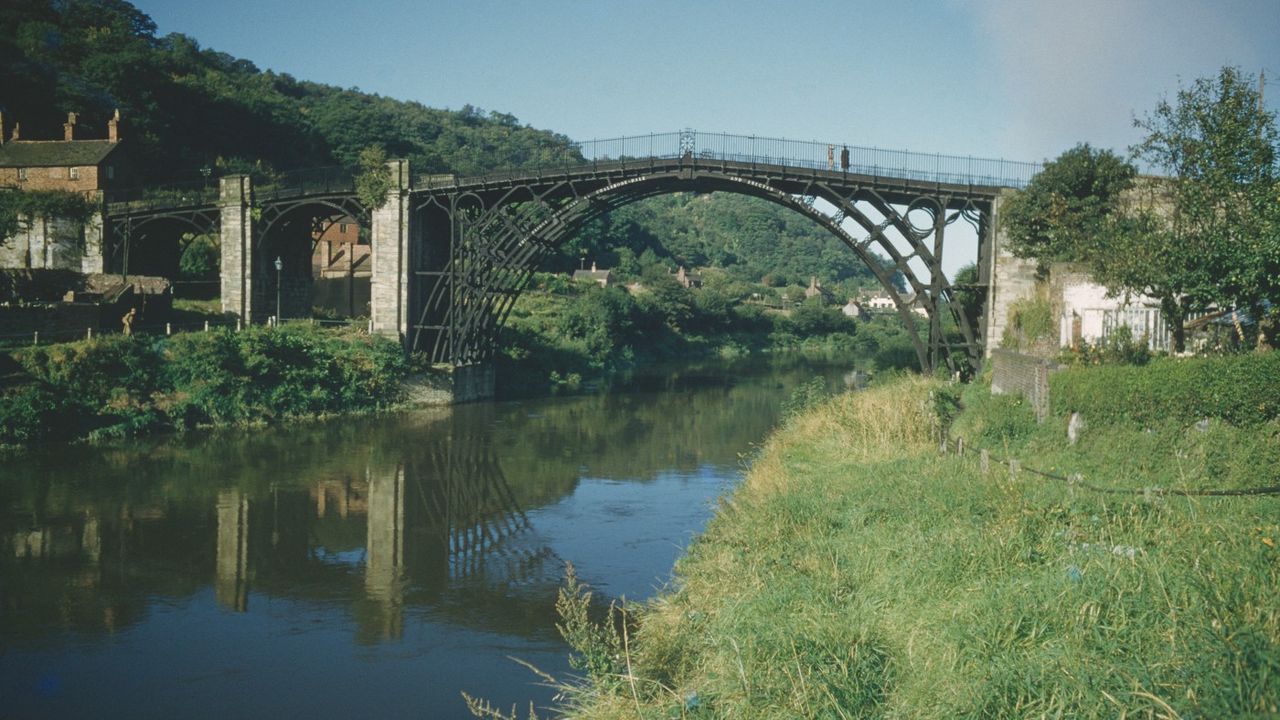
(857, 572)
(561, 332)
(117, 386)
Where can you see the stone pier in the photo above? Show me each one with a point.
(235, 200)
(390, 239)
(1010, 278)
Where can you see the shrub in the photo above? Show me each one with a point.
(1243, 390)
(122, 386)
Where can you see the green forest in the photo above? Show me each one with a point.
(186, 108)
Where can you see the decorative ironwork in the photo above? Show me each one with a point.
(484, 236)
(499, 231)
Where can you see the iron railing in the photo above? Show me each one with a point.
(204, 193)
(194, 193)
(751, 149)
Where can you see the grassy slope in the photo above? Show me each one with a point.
(857, 573)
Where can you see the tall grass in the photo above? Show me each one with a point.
(857, 573)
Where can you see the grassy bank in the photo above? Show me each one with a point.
(118, 386)
(859, 573)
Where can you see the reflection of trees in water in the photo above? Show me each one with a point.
(381, 514)
(678, 421)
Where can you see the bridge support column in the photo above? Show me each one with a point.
(1010, 279)
(235, 201)
(390, 247)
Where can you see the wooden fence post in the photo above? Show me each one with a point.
(1014, 466)
(984, 461)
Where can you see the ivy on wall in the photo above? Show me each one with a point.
(18, 204)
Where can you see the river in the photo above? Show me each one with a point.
(371, 566)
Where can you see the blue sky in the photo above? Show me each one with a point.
(1000, 78)
(1021, 80)
(989, 78)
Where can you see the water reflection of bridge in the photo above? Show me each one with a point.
(446, 512)
(428, 519)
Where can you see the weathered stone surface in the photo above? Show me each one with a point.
(1012, 279)
(390, 234)
(54, 244)
(450, 385)
(235, 198)
(1024, 375)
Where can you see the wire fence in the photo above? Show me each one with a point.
(36, 338)
(1076, 480)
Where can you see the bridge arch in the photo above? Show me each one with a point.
(500, 237)
(149, 243)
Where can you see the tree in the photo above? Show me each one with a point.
(1065, 206)
(373, 182)
(1218, 147)
(967, 291)
(1137, 253)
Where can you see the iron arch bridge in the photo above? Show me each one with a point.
(479, 240)
(451, 255)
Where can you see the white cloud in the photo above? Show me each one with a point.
(1079, 71)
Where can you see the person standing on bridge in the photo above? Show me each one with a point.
(844, 158)
(831, 157)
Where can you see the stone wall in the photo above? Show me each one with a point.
(54, 244)
(1014, 373)
(56, 322)
(447, 385)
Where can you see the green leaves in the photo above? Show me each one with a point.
(1212, 235)
(1064, 210)
(374, 180)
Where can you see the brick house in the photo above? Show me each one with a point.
(341, 268)
(73, 163)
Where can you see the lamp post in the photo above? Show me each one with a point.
(206, 171)
(279, 267)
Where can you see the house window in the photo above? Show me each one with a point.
(342, 228)
(22, 173)
(73, 173)
(111, 172)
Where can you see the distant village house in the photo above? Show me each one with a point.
(602, 277)
(688, 280)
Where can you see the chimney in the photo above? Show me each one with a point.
(17, 128)
(69, 127)
(113, 127)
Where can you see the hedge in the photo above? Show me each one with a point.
(1243, 390)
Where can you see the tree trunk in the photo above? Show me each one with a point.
(1174, 315)
(1268, 326)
